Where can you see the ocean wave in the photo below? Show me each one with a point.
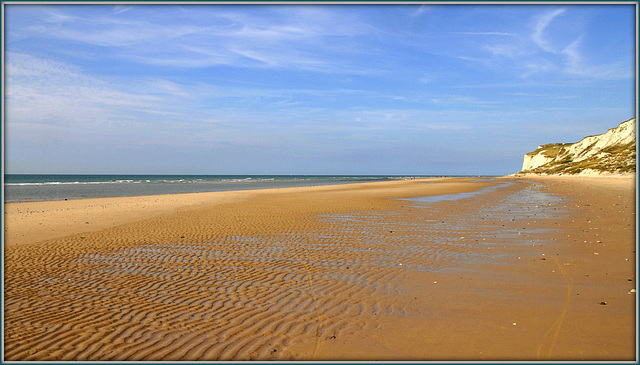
(219, 180)
(75, 183)
(148, 181)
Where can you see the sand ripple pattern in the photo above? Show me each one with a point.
(239, 297)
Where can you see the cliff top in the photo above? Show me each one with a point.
(613, 152)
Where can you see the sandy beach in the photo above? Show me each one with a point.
(527, 268)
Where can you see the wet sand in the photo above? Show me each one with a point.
(347, 272)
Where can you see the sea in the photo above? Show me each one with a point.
(42, 187)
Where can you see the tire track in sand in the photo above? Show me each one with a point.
(555, 328)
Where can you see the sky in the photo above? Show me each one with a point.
(419, 89)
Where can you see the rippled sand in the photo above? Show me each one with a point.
(349, 272)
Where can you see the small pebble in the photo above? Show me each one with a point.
(603, 303)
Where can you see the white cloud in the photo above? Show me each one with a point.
(57, 17)
(545, 53)
(486, 33)
(459, 100)
(423, 9)
(170, 88)
(577, 65)
(292, 37)
(536, 66)
(118, 9)
(122, 34)
(541, 25)
(574, 58)
(42, 92)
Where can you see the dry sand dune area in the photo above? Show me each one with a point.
(497, 269)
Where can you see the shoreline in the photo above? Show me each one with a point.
(80, 187)
(344, 272)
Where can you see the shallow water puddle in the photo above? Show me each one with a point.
(458, 196)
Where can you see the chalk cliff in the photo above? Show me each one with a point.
(613, 152)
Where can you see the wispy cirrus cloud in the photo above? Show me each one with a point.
(458, 100)
(41, 89)
(121, 9)
(543, 21)
(297, 38)
(537, 66)
(47, 94)
(553, 45)
(572, 59)
(509, 50)
(420, 11)
(486, 33)
(577, 65)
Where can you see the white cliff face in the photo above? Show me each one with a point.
(533, 161)
(604, 152)
(590, 146)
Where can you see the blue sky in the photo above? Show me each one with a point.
(309, 89)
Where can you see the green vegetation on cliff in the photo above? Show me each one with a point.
(612, 159)
(611, 152)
